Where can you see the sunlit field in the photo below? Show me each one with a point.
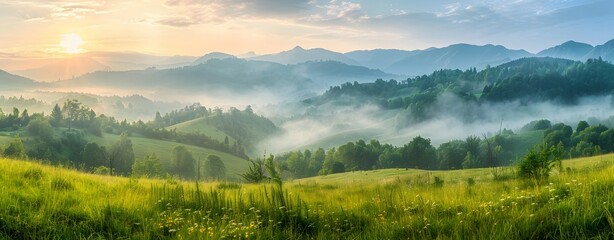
(44, 202)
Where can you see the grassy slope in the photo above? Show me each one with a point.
(201, 125)
(46, 202)
(143, 146)
(450, 176)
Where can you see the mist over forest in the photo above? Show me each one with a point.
(307, 119)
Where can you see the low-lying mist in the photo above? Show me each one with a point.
(308, 126)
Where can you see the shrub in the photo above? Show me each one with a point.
(438, 182)
(470, 182)
(539, 161)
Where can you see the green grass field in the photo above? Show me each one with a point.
(44, 202)
(201, 125)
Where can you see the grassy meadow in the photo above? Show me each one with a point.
(44, 202)
(201, 125)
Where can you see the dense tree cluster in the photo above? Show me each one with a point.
(193, 111)
(526, 80)
(63, 138)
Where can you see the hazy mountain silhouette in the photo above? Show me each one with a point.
(120, 61)
(10, 81)
(299, 55)
(63, 69)
(247, 54)
(231, 75)
(212, 55)
(380, 58)
(457, 56)
(605, 51)
(568, 50)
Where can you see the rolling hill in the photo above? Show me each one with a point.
(162, 149)
(201, 125)
(246, 127)
(145, 146)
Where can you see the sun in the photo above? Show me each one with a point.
(71, 43)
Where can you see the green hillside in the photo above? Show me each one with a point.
(201, 125)
(162, 149)
(44, 202)
(243, 128)
(144, 146)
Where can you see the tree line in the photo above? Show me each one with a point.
(504, 148)
(526, 80)
(62, 138)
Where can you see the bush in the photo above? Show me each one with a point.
(539, 161)
(438, 182)
(470, 182)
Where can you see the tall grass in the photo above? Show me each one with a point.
(41, 202)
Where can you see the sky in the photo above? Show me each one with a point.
(195, 27)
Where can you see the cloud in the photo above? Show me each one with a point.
(32, 11)
(195, 12)
(345, 10)
(178, 21)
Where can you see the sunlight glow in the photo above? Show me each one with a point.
(71, 43)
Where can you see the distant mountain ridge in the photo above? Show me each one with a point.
(213, 55)
(220, 77)
(458, 56)
(389, 62)
(63, 69)
(10, 81)
(300, 55)
(568, 50)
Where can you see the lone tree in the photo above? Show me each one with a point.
(121, 156)
(183, 162)
(214, 168)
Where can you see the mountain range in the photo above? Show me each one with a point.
(420, 62)
(298, 69)
(229, 76)
(299, 55)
